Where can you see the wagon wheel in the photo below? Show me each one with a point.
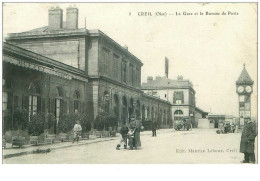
(179, 127)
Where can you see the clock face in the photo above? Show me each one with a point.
(240, 89)
(248, 89)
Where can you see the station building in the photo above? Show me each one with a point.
(61, 68)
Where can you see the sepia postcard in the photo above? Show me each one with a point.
(129, 83)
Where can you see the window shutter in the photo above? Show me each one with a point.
(84, 107)
(174, 97)
(64, 107)
(43, 105)
(25, 102)
(61, 106)
(9, 101)
(182, 97)
(53, 106)
(16, 102)
(71, 106)
(39, 104)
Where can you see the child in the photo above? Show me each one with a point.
(131, 135)
(77, 129)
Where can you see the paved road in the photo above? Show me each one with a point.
(196, 146)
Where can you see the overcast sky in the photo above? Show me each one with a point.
(209, 50)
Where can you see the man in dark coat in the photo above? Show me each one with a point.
(247, 143)
(136, 124)
(154, 127)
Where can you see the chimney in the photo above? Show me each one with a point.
(126, 47)
(180, 77)
(166, 67)
(72, 14)
(149, 79)
(55, 18)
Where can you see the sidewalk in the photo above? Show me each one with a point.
(28, 149)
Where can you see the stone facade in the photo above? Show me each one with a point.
(179, 93)
(79, 65)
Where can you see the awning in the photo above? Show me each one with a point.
(43, 69)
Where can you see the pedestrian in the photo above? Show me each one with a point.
(76, 130)
(123, 137)
(226, 127)
(137, 125)
(233, 127)
(247, 143)
(131, 138)
(154, 127)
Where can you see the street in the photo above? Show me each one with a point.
(196, 146)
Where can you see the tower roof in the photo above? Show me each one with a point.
(244, 77)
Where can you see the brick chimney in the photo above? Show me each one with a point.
(180, 77)
(72, 18)
(149, 79)
(55, 18)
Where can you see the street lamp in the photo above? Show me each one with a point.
(134, 104)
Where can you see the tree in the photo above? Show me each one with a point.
(20, 119)
(36, 124)
(50, 122)
(85, 122)
(7, 121)
(104, 120)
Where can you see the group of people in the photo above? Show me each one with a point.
(229, 128)
(130, 135)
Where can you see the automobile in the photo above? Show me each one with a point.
(183, 124)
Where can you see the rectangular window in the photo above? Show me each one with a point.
(138, 77)
(247, 106)
(124, 72)
(115, 66)
(4, 102)
(178, 97)
(242, 98)
(247, 113)
(130, 73)
(105, 61)
(57, 106)
(241, 105)
(133, 76)
(178, 101)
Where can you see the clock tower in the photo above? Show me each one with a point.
(244, 89)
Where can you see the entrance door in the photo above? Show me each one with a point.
(216, 124)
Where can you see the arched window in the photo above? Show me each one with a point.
(34, 99)
(178, 115)
(76, 101)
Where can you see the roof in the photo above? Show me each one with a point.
(244, 77)
(44, 32)
(40, 59)
(166, 83)
(200, 110)
(216, 115)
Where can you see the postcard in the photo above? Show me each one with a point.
(129, 83)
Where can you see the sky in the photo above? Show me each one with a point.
(209, 50)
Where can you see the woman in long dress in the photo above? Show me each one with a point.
(137, 125)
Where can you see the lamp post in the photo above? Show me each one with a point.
(107, 97)
(134, 104)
